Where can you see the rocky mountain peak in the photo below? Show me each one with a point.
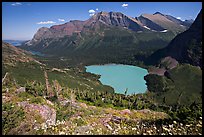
(158, 13)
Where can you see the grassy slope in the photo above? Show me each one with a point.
(24, 72)
(185, 80)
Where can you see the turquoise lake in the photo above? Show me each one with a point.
(121, 77)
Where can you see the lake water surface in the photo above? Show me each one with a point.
(37, 53)
(121, 77)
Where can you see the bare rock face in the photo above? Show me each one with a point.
(47, 113)
(115, 19)
(150, 24)
(45, 32)
(67, 29)
(170, 62)
(21, 89)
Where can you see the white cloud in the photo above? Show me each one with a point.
(16, 4)
(91, 12)
(125, 5)
(61, 20)
(46, 22)
(96, 9)
(179, 18)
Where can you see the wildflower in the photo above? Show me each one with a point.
(134, 128)
(200, 122)
(198, 125)
(35, 128)
(61, 133)
(171, 126)
(149, 132)
(165, 128)
(114, 132)
(53, 128)
(179, 129)
(174, 122)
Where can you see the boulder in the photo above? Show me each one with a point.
(47, 113)
(21, 89)
(125, 111)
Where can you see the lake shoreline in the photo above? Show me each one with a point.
(109, 75)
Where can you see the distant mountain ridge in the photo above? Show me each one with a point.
(146, 22)
(185, 47)
(15, 42)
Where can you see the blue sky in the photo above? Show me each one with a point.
(20, 20)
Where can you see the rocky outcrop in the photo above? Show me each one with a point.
(20, 90)
(47, 113)
(168, 63)
(116, 19)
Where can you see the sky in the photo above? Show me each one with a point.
(21, 20)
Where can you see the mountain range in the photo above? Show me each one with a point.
(108, 31)
(157, 22)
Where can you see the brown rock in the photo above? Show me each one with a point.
(125, 111)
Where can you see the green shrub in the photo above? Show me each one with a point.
(12, 116)
(37, 100)
(36, 88)
(80, 121)
(63, 113)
